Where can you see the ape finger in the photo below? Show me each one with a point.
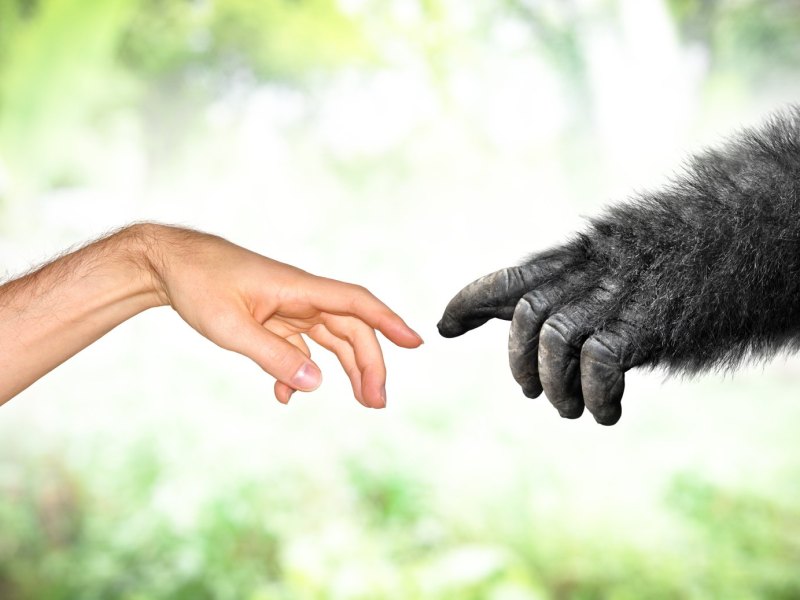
(530, 313)
(605, 357)
(523, 341)
(495, 295)
(560, 342)
(559, 361)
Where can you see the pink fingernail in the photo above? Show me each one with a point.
(383, 395)
(307, 378)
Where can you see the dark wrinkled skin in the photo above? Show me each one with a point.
(703, 274)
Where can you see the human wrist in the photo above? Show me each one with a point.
(142, 244)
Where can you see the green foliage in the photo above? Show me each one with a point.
(270, 40)
(56, 71)
(757, 40)
(127, 527)
(749, 543)
(388, 496)
(66, 65)
(75, 73)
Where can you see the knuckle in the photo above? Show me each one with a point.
(362, 290)
(361, 299)
(538, 302)
(554, 331)
(511, 277)
(544, 306)
(600, 348)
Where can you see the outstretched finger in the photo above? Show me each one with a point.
(495, 296)
(346, 299)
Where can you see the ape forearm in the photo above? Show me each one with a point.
(49, 315)
(715, 256)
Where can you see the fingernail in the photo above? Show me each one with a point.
(289, 397)
(419, 337)
(383, 395)
(307, 378)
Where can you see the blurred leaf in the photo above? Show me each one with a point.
(752, 542)
(56, 69)
(757, 40)
(269, 39)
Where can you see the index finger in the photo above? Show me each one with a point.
(340, 298)
(495, 296)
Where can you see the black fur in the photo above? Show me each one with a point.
(702, 274)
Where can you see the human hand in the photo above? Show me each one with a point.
(261, 308)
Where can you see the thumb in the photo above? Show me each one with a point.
(281, 359)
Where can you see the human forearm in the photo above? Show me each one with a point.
(51, 314)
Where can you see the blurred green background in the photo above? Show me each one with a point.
(411, 146)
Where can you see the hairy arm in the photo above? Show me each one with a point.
(238, 299)
(50, 314)
(702, 274)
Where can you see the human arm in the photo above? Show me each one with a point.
(702, 274)
(236, 298)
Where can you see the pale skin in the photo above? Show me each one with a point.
(238, 299)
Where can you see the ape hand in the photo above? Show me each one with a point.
(702, 274)
(572, 333)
